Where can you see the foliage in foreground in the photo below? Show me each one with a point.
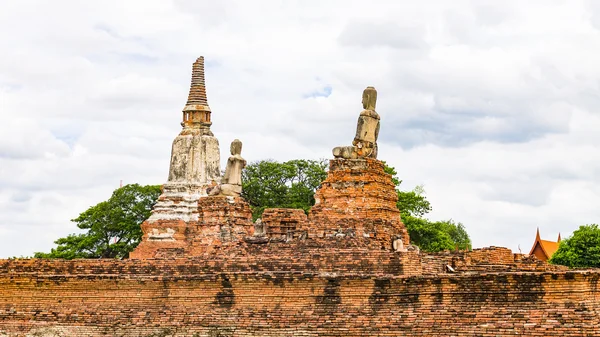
(112, 227)
(582, 249)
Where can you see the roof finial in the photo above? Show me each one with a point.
(537, 235)
(558, 237)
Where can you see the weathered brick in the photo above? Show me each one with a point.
(359, 197)
(256, 293)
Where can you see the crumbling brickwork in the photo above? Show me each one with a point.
(221, 221)
(204, 297)
(484, 260)
(358, 198)
(284, 222)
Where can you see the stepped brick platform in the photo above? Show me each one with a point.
(359, 198)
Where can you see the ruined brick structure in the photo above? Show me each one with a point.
(348, 269)
(222, 221)
(284, 222)
(186, 221)
(359, 198)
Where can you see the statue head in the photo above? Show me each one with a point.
(236, 147)
(369, 98)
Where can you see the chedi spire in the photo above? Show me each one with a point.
(196, 113)
(195, 156)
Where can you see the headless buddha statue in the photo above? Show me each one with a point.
(367, 131)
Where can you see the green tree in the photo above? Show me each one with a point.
(291, 184)
(582, 249)
(458, 234)
(112, 227)
(411, 203)
(391, 171)
(427, 235)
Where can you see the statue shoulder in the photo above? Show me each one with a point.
(370, 113)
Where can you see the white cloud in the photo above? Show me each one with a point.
(492, 106)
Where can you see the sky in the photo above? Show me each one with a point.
(492, 106)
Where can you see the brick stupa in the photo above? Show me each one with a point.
(358, 196)
(186, 221)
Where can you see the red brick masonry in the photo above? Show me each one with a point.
(284, 222)
(222, 221)
(333, 274)
(307, 289)
(358, 198)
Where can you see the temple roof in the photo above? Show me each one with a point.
(548, 247)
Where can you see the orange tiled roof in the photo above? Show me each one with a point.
(549, 247)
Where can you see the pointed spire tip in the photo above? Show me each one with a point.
(197, 95)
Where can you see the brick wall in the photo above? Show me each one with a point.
(336, 293)
(488, 259)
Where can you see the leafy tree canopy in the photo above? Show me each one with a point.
(435, 236)
(427, 235)
(292, 184)
(582, 249)
(111, 228)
